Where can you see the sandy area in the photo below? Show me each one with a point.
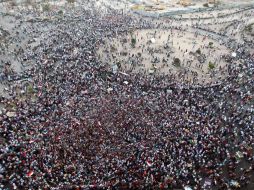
(180, 45)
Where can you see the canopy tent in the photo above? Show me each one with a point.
(153, 40)
(233, 54)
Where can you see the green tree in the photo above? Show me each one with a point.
(30, 89)
(46, 8)
(133, 42)
(211, 66)
(210, 44)
(248, 28)
(206, 5)
(198, 51)
(60, 12)
(113, 48)
(177, 62)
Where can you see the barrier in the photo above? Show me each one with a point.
(192, 10)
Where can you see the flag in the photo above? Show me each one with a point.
(30, 173)
(149, 163)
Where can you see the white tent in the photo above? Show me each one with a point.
(153, 40)
(234, 54)
(187, 188)
(151, 71)
(169, 91)
(110, 90)
(11, 114)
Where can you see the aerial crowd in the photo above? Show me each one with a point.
(81, 126)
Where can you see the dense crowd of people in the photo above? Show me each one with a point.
(83, 127)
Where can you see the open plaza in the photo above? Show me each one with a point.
(127, 94)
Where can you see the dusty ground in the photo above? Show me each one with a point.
(181, 45)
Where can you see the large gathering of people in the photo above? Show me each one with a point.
(69, 122)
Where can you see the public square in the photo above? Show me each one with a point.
(129, 94)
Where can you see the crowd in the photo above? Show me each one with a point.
(84, 127)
